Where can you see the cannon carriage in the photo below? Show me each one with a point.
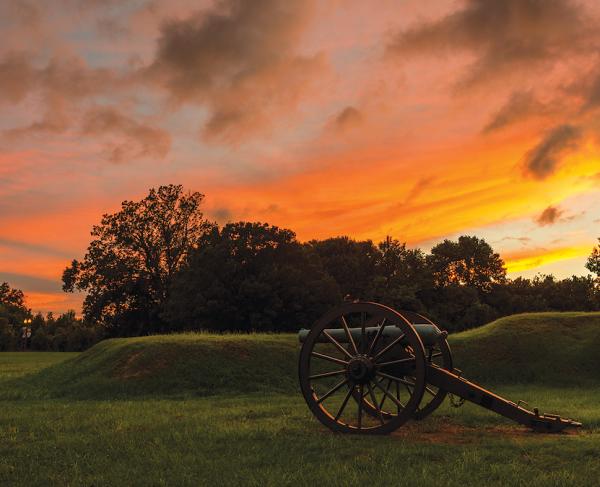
(368, 369)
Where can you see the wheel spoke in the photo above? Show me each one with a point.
(349, 335)
(392, 398)
(383, 350)
(332, 390)
(337, 345)
(344, 402)
(375, 403)
(436, 354)
(398, 395)
(327, 357)
(384, 396)
(397, 379)
(427, 388)
(399, 361)
(327, 374)
(363, 333)
(377, 335)
(360, 408)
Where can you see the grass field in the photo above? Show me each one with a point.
(225, 410)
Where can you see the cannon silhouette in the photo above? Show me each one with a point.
(366, 368)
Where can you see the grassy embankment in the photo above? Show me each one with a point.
(201, 409)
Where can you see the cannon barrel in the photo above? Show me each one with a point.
(428, 333)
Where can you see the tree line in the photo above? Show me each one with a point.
(158, 266)
(20, 330)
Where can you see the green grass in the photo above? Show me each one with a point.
(557, 349)
(196, 364)
(169, 411)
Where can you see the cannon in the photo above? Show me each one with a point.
(366, 368)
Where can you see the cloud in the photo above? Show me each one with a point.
(542, 160)
(35, 248)
(222, 214)
(347, 119)
(549, 216)
(503, 35)
(132, 139)
(16, 77)
(62, 85)
(240, 59)
(522, 240)
(420, 186)
(519, 106)
(31, 283)
(23, 12)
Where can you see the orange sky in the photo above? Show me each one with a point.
(419, 120)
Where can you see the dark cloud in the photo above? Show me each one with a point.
(420, 186)
(520, 105)
(348, 118)
(62, 84)
(222, 215)
(549, 216)
(240, 60)
(31, 283)
(36, 248)
(26, 13)
(503, 35)
(16, 77)
(543, 159)
(68, 88)
(130, 138)
(589, 87)
(55, 120)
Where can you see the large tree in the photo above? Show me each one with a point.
(351, 263)
(250, 276)
(129, 265)
(400, 275)
(470, 261)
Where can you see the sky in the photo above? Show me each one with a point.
(419, 120)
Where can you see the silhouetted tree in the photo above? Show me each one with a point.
(129, 266)
(593, 262)
(470, 262)
(12, 297)
(400, 275)
(12, 313)
(351, 263)
(250, 276)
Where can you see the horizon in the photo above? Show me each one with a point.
(421, 122)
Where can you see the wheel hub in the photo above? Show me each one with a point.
(360, 370)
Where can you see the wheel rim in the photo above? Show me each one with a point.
(331, 371)
(433, 397)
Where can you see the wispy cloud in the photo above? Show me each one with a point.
(544, 158)
(36, 248)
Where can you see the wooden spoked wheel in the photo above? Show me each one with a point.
(332, 371)
(438, 354)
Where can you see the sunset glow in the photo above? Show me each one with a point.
(406, 122)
